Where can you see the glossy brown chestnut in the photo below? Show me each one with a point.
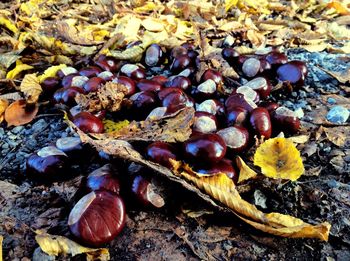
(205, 90)
(67, 95)
(160, 79)
(251, 67)
(180, 63)
(175, 101)
(66, 71)
(223, 166)
(133, 71)
(103, 179)
(108, 63)
(106, 75)
(230, 55)
(260, 122)
(93, 84)
(154, 55)
(143, 103)
(212, 106)
(238, 100)
(276, 58)
(301, 65)
(269, 106)
(97, 218)
(88, 123)
(72, 146)
(157, 113)
(145, 192)
(213, 75)
(161, 153)
(50, 85)
(261, 85)
(285, 120)
(129, 83)
(177, 51)
(209, 148)
(204, 122)
(47, 164)
(248, 93)
(236, 138)
(164, 92)
(237, 116)
(67, 80)
(148, 85)
(292, 73)
(181, 82)
(90, 71)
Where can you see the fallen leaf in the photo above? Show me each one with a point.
(299, 139)
(20, 112)
(111, 126)
(58, 245)
(3, 105)
(172, 128)
(31, 87)
(152, 24)
(338, 135)
(245, 172)
(51, 72)
(20, 67)
(7, 23)
(278, 158)
(342, 77)
(108, 97)
(339, 7)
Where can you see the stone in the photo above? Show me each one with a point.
(338, 114)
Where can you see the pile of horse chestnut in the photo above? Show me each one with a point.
(227, 118)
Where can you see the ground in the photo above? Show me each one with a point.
(186, 228)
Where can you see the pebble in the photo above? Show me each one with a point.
(331, 100)
(302, 94)
(17, 129)
(308, 108)
(327, 149)
(333, 183)
(338, 114)
(289, 104)
(299, 113)
(294, 94)
(39, 126)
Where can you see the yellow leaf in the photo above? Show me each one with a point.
(112, 126)
(129, 27)
(278, 158)
(58, 245)
(31, 88)
(339, 7)
(221, 188)
(153, 25)
(20, 67)
(10, 25)
(133, 54)
(288, 226)
(3, 105)
(229, 4)
(245, 172)
(51, 72)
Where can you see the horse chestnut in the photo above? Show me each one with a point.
(261, 85)
(133, 71)
(154, 55)
(97, 218)
(237, 116)
(161, 153)
(209, 148)
(260, 122)
(103, 179)
(67, 95)
(127, 82)
(223, 166)
(88, 123)
(204, 122)
(66, 71)
(145, 192)
(236, 138)
(179, 81)
(148, 85)
(93, 84)
(292, 73)
(91, 71)
(285, 120)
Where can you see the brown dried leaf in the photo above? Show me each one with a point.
(31, 87)
(245, 172)
(342, 77)
(338, 135)
(172, 128)
(109, 97)
(3, 105)
(72, 35)
(256, 38)
(20, 112)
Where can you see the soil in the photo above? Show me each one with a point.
(186, 228)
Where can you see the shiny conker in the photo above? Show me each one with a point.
(97, 218)
(148, 85)
(223, 166)
(88, 123)
(90, 71)
(145, 192)
(209, 148)
(181, 82)
(67, 95)
(260, 122)
(103, 179)
(261, 85)
(285, 120)
(204, 122)
(127, 82)
(66, 71)
(133, 71)
(236, 138)
(93, 84)
(154, 55)
(161, 153)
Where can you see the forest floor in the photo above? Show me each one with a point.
(187, 228)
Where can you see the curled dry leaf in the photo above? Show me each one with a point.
(278, 158)
(3, 105)
(109, 97)
(20, 67)
(72, 35)
(112, 126)
(51, 72)
(245, 172)
(31, 87)
(20, 112)
(172, 128)
(58, 245)
(338, 135)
